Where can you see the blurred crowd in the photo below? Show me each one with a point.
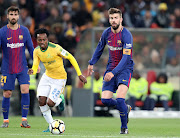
(69, 18)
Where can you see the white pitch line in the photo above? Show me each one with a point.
(62, 135)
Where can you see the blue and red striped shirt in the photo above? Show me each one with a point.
(116, 42)
(13, 44)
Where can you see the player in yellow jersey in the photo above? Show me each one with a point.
(53, 81)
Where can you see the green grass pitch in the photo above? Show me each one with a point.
(97, 127)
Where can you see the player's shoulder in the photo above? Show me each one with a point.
(38, 47)
(107, 30)
(3, 28)
(23, 27)
(126, 31)
(52, 45)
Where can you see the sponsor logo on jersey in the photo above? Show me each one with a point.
(114, 48)
(21, 37)
(9, 38)
(109, 41)
(15, 45)
(118, 42)
(128, 45)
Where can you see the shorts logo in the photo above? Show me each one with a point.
(124, 80)
(109, 41)
(21, 37)
(9, 38)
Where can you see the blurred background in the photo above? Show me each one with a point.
(77, 26)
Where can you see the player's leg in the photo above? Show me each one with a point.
(43, 91)
(56, 98)
(123, 81)
(7, 84)
(25, 101)
(23, 79)
(107, 93)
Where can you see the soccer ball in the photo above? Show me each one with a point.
(57, 127)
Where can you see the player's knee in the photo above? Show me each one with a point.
(105, 101)
(42, 101)
(7, 93)
(50, 103)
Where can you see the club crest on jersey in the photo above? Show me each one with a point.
(118, 42)
(21, 37)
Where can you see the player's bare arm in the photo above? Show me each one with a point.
(90, 70)
(108, 76)
(82, 79)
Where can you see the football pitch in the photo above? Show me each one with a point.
(97, 127)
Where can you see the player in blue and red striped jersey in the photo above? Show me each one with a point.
(14, 39)
(120, 65)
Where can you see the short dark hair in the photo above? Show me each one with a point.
(13, 8)
(114, 10)
(41, 31)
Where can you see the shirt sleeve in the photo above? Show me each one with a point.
(99, 50)
(65, 54)
(36, 62)
(127, 53)
(29, 44)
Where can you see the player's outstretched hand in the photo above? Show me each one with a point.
(83, 79)
(108, 76)
(30, 71)
(90, 70)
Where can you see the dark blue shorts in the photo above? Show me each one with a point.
(8, 80)
(122, 78)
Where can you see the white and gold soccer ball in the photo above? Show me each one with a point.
(57, 127)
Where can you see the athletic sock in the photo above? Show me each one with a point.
(109, 102)
(122, 107)
(5, 107)
(25, 104)
(46, 113)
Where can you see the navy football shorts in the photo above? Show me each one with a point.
(8, 80)
(121, 78)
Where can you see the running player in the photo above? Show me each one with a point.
(14, 39)
(53, 81)
(120, 65)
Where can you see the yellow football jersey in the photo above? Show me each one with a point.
(52, 58)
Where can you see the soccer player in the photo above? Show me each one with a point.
(53, 81)
(120, 65)
(14, 39)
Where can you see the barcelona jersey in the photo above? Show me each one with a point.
(120, 50)
(13, 44)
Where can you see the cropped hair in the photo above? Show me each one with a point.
(13, 8)
(162, 75)
(41, 31)
(114, 10)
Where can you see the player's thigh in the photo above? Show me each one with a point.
(23, 78)
(108, 88)
(44, 87)
(122, 91)
(123, 80)
(57, 88)
(8, 81)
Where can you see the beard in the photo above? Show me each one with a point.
(115, 27)
(13, 21)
